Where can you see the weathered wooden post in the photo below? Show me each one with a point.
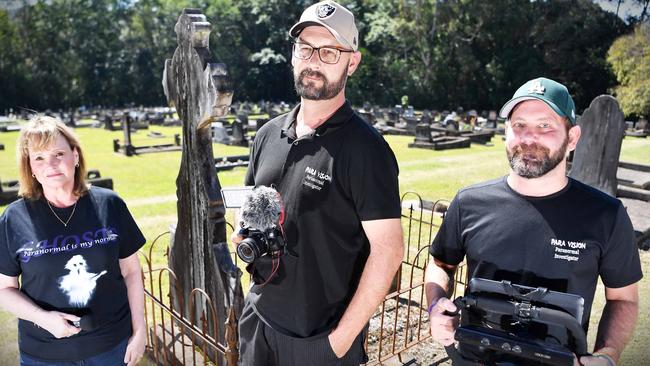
(595, 160)
(201, 91)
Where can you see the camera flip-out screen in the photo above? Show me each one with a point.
(235, 197)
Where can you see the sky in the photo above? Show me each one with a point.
(627, 8)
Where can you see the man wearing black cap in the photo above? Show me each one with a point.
(337, 178)
(536, 227)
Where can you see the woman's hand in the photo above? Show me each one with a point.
(57, 324)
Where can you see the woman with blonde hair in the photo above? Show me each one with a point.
(74, 247)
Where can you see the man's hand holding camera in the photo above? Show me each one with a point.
(443, 325)
(261, 220)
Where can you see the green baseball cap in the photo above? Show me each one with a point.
(554, 94)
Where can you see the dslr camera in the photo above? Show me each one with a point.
(502, 322)
(257, 243)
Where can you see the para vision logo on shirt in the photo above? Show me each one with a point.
(567, 250)
(315, 179)
(59, 243)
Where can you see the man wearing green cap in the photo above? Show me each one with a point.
(537, 227)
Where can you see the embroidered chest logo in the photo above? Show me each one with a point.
(567, 250)
(315, 179)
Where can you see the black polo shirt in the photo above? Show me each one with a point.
(330, 181)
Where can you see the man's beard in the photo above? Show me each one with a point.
(534, 161)
(308, 89)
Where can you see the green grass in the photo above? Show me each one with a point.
(147, 184)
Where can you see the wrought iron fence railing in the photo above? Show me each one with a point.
(400, 322)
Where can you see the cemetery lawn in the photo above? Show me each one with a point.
(147, 184)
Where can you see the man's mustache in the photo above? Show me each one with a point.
(533, 148)
(311, 73)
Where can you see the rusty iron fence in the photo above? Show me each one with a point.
(399, 323)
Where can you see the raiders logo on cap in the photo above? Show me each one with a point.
(325, 10)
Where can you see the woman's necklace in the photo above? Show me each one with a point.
(65, 223)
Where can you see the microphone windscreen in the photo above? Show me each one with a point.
(261, 208)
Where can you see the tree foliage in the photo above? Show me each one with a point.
(629, 56)
(440, 53)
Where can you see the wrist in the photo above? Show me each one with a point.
(610, 360)
(607, 352)
(432, 305)
(38, 316)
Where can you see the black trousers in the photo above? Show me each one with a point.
(261, 345)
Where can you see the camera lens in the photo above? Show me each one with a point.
(248, 250)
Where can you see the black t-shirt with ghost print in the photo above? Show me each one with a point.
(73, 269)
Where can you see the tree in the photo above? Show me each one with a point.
(12, 72)
(629, 57)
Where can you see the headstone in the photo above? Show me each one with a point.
(393, 117)
(426, 117)
(409, 112)
(642, 124)
(399, 109)
(423, 133)
(492, 119)
(199, 254)
(238, 135)
(595, 160)
(243, 119)
(411, 124)
(126, 129)
(259, 123)
(108, 122)
(219, 133)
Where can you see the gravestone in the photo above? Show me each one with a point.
(259, 123)
(426, 117)
(199, 254)
(108, 122)
(238, 137)
(409, 112)
(126, 129)
(423, 133)
(411, 124)
(595, 160)
(393, 117)
(243, 119)
(492, 119)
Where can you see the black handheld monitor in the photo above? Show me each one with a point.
(506, 322)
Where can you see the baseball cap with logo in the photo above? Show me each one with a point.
(337, 19)
(554, 94)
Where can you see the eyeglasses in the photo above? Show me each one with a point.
(327, 54)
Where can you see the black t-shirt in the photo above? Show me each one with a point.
(73, 269)
(330, 181)
(562, 242)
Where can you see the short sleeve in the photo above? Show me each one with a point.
(249, 180)
(9, 265)
(373, 178)
(620, 265)
(131, 238)
(447, 246)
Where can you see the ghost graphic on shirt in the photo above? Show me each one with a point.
(79, 284)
